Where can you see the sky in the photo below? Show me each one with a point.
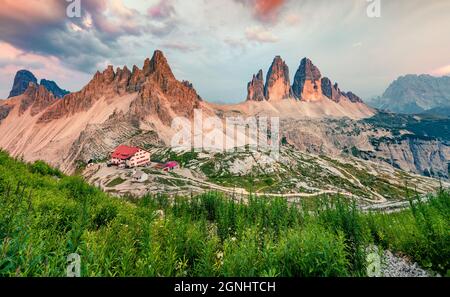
(219, 44)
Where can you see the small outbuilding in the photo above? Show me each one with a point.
(172, 165)
(139, 176)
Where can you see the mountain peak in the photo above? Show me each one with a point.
(329, 90)
(278, 85)
(159, 63)
(21, 81)
(255, 88)
(307, 85)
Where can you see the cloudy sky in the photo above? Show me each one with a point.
(219, 44)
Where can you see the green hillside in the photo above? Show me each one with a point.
(45, 216)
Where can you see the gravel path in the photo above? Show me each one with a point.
(395, 266)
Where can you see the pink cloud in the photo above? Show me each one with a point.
(266, 11)
(163, 10)
(33, 11)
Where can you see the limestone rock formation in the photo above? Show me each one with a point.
(21, 81)
(307, 82)
(4, 111)
(53, 88)
(38, 97)
(159, 92)
(100, 85)
(255, 88)
(352, 97)
(162, 94)
(278, 85)
(329, 90)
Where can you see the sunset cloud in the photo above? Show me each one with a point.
(264, 10)
(162, 10)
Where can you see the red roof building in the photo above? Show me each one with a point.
(130, 156)
(124, 152)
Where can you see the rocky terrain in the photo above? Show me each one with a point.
(293, 175)
(412, 94)
(367, 140)
(396, 266)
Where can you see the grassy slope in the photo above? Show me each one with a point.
(45, 216)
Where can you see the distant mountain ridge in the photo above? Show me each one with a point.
(24, 77)
(412, 94)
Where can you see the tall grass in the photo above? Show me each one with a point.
(45, 216)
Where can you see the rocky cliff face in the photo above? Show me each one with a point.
(4, 111)
(53, 88)
(352, 97)
(255, 88)
(21, 81)
(412, 154)
(367, 141)
(99, 86)
(162, 94)
(38, 97)
(415, 94)
(278, 84)
(307, 84)
(329, 90)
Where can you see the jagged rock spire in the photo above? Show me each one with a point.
(255, 88)
(307, 84)
(278, 85)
